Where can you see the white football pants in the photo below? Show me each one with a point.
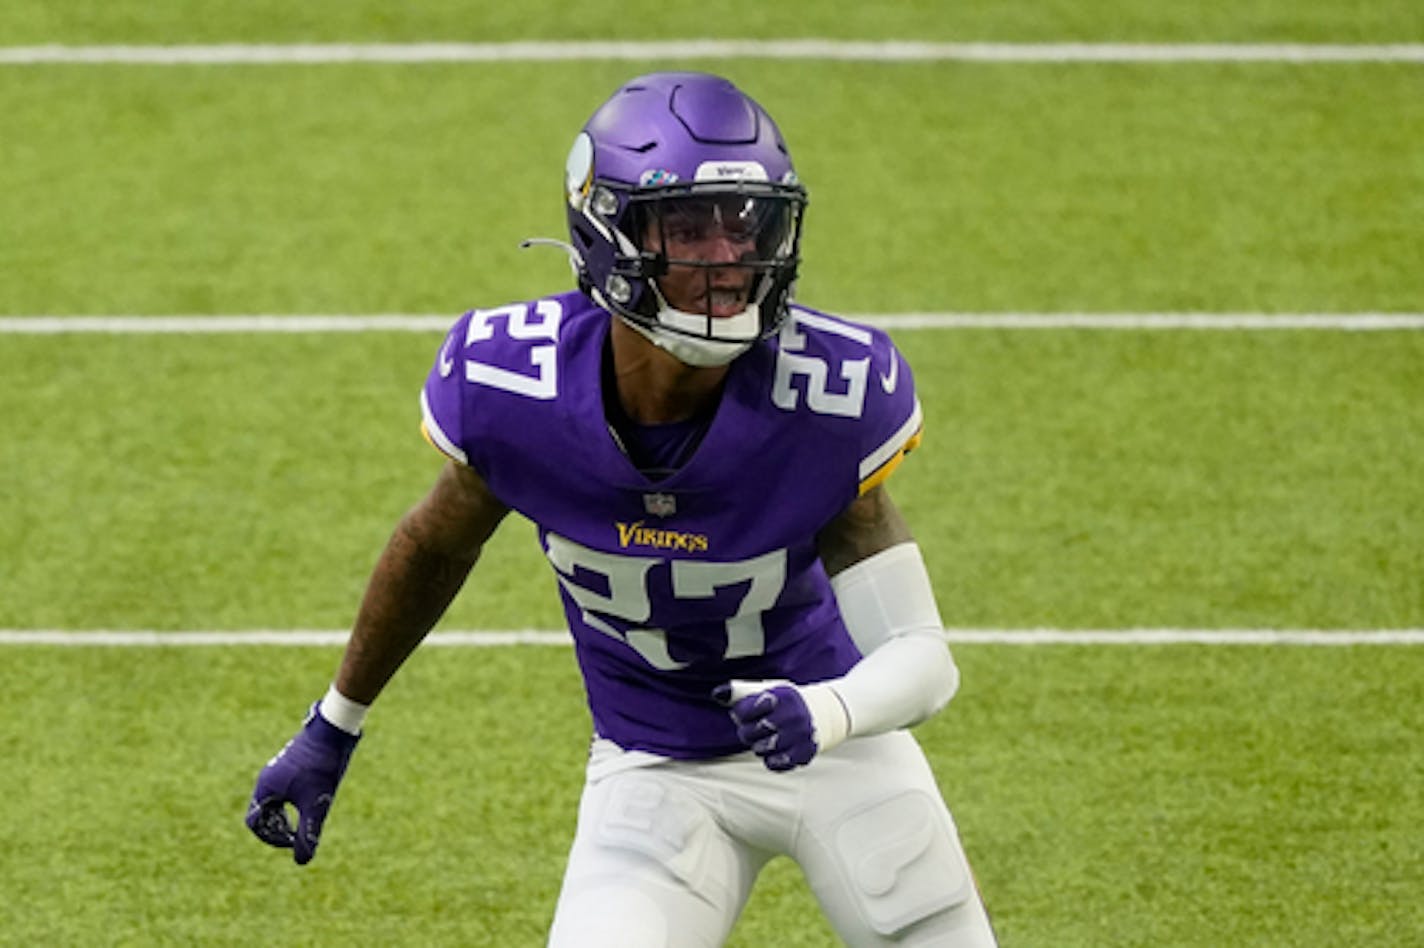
(665, 854)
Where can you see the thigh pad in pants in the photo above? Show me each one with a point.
(902, 860)
(646, 817)
(647, 863)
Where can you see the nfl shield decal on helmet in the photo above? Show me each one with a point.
(660, 505)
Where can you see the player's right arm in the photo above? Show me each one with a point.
(421, 569)
(423, 566)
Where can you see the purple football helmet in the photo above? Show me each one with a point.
(685, 153)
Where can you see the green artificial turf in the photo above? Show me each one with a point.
(367, 189)
(1176, 795)
(1107, 795)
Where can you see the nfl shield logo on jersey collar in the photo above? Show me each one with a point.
(660, 505)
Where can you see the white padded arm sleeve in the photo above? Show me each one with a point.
(907, 673)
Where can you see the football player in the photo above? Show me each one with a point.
(704, 461)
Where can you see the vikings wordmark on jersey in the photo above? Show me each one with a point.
(673, 586)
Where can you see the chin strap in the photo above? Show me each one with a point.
(682, 333)
(692, 350)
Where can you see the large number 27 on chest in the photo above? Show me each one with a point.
(627, 597)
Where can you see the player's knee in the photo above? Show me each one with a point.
(966, 925)
(902, 864)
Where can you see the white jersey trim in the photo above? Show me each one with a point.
(893, 445)
(436, 435)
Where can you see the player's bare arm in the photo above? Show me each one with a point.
(421, 569)
(870, 524)
(423, 566)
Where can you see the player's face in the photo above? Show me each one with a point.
(705, 241)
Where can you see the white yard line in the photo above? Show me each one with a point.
(415, 322)
(141, 638)
(1350, 322)
(161, 325)
(818, 49)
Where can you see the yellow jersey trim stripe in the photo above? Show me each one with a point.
(879, 475)
(877, 465)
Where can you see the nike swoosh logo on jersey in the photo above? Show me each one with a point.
(888, 382)
(447, 364)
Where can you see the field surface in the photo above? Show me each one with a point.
(1071, 479)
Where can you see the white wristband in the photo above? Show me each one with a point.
(829, 716)
(342, 712)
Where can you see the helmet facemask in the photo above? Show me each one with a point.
(715, 264)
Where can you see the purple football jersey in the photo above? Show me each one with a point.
(673, 586)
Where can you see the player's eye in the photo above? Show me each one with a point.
(684, 230)
(740, 230)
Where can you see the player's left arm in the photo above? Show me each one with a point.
(883, 589)
(870, 525)
(907, 673)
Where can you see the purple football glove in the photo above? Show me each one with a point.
(775, 721)
(305, 774)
